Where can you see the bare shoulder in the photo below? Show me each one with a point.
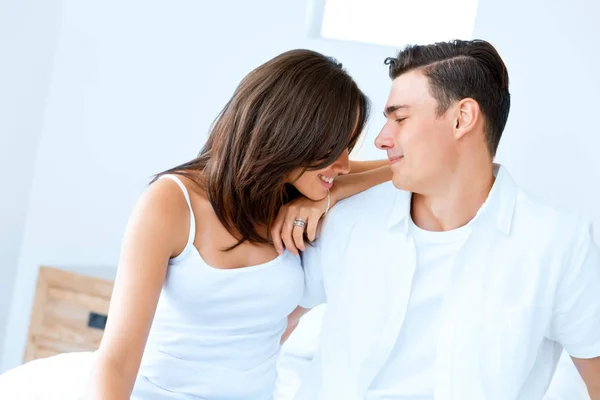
(163, 197)
(162, 209)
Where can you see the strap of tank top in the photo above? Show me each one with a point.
(192, 233)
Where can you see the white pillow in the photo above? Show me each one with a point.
(61, 377)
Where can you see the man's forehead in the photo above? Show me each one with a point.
(408, 90)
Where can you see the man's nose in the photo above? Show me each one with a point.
(384, 140)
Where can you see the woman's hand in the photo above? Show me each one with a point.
(286, 232)
(308, 213)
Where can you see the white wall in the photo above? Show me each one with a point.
(135, 85)
(28, 36)
(134, 88)
(552, 138)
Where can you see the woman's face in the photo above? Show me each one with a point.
(315, 184)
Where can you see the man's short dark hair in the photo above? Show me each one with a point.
(462, 69)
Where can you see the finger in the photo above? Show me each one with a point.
(311, 228)
(286, 235)
(276, 229)
(298, 234)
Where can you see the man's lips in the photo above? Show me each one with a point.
(395, 159)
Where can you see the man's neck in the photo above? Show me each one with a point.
(457, 202)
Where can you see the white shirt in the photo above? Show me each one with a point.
(410, 370)
(525, 284)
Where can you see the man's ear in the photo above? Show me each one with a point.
(467, 117)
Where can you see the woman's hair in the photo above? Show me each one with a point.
(298, 110)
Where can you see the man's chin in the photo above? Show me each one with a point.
(400, 184)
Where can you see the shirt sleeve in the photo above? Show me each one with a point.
(322, 262)
(576, 316)
(314, 288)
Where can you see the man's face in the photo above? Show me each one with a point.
(420, 145)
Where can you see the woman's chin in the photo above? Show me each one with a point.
(315, 195)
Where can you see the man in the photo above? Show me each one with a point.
(452, 283)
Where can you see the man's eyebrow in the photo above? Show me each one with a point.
(393, 108)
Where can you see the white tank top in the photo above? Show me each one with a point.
(216, 332)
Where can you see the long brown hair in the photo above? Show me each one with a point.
(299, 109)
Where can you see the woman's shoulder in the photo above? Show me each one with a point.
(181, 197)
(166, 192)
(164, 200)
(178, 189)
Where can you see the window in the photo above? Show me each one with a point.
(393, 22)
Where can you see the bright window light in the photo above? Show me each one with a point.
(398, 22)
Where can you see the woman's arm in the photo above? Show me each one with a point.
(156, 231)
(357, 167)
(293, 320)
(356, 182)
(345, 186)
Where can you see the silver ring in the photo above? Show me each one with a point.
(300, 222)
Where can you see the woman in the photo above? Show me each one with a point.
(204, 286)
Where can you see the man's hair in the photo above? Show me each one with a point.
(462, 69)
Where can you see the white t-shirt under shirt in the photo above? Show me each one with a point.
(409, 371)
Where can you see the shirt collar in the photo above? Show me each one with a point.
(498, 209)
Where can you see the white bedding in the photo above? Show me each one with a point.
(60, 377)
